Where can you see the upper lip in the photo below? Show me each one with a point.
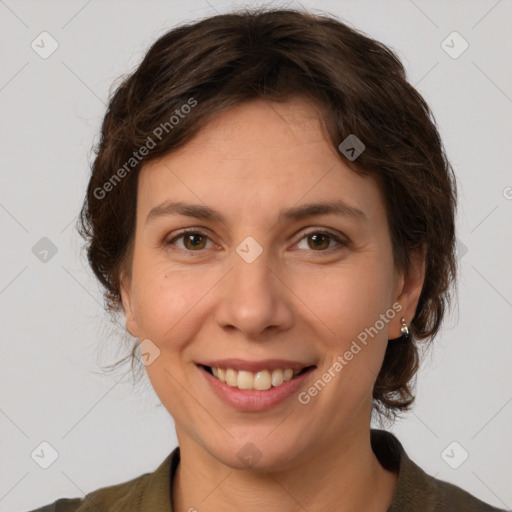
(254, 366)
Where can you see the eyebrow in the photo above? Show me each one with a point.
(199, 211)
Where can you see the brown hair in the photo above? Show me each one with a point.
(361, 88)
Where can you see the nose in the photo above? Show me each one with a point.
(254, 299)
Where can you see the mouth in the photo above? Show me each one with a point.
(261, 380)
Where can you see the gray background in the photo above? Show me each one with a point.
(53, 326)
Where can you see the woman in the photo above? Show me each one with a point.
(272, 210)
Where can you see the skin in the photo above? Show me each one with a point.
(295, 301)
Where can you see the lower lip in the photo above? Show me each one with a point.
(253, 400)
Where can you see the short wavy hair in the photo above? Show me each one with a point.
(360, 87)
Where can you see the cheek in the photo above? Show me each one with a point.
(346, 301)
(168, 303)
(169, 311)
(349, 303)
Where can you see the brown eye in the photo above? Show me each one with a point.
(319, 241)
(193, 241)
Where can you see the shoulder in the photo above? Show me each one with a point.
(150, 491)
(61, 505)
(106, 498)
(417, 490)
(450, 497)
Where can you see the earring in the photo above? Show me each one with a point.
(406, 333)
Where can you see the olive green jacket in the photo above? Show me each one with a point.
(151, 492)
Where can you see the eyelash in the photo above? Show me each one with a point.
(340, 241)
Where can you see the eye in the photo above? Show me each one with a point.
(193, 240)
(320, 240)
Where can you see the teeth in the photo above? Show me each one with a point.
(231, 377)
(260, 381)
(245, 380)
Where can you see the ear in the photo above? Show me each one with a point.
(126, 297)
(408, 291)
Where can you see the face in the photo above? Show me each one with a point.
(258, 287)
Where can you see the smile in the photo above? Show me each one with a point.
(255, 386)
(260, 381)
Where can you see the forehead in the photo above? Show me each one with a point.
(258, 154)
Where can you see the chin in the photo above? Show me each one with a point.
(258, 453)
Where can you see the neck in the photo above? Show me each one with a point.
(337, 476)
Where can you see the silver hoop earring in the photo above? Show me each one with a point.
(406, 333)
